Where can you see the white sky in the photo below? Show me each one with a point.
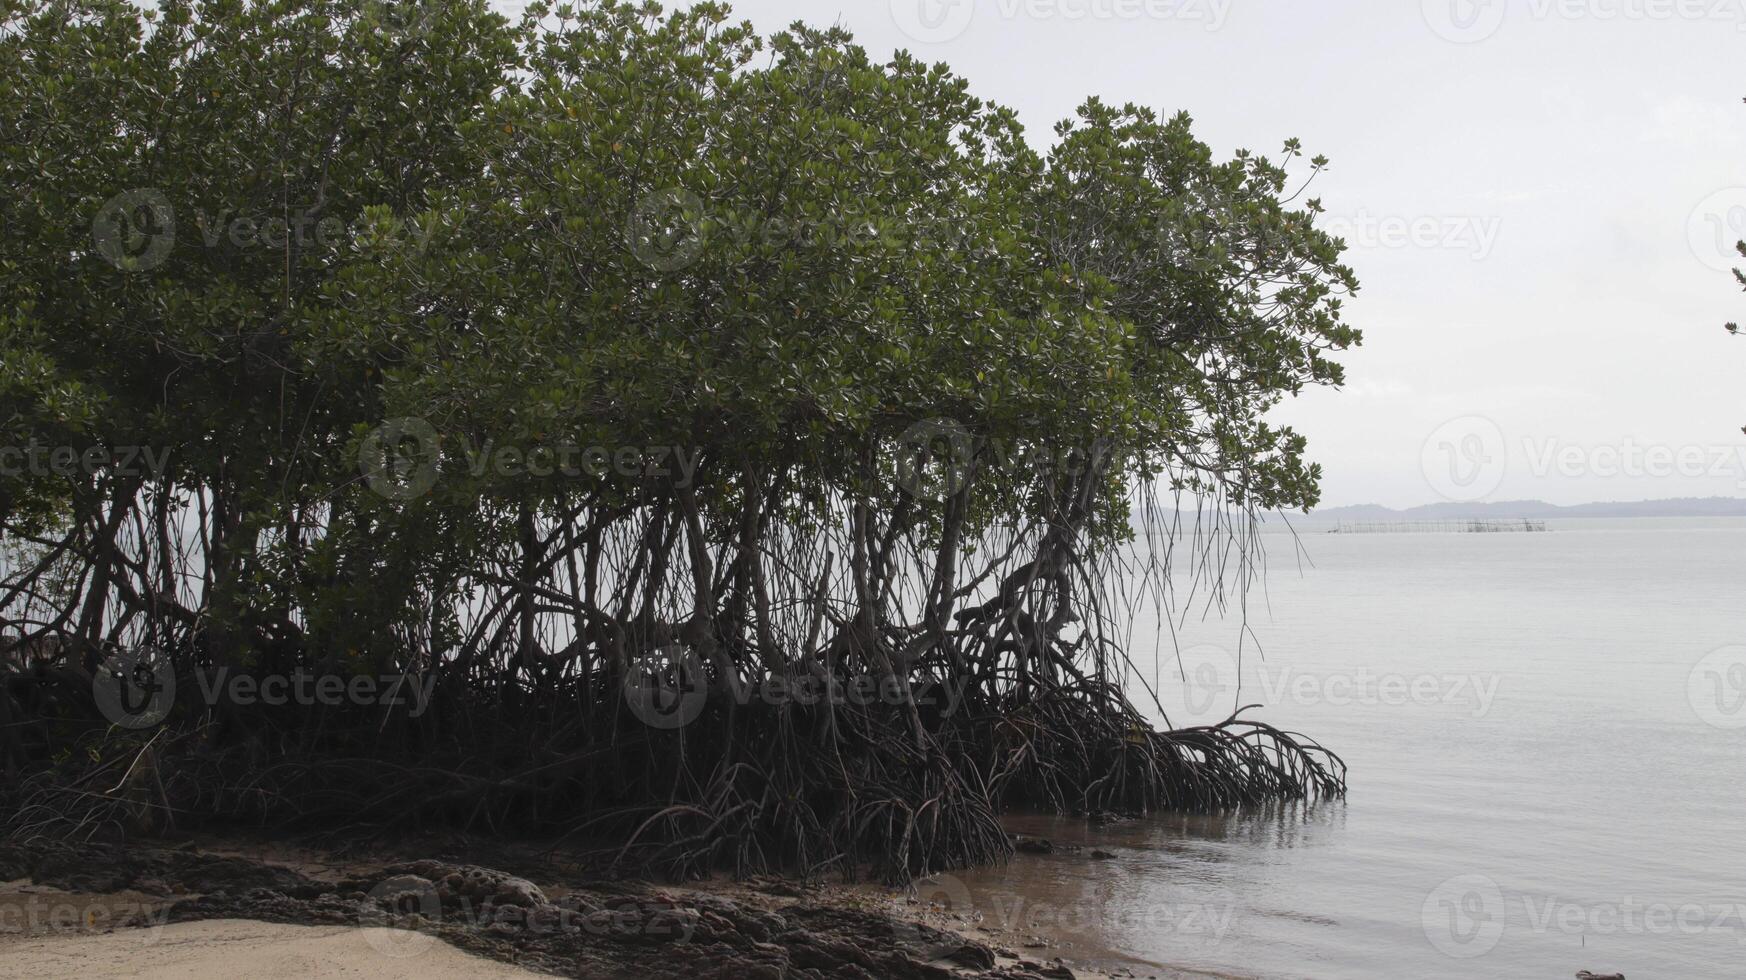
(1534, 192)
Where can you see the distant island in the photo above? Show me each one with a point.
(1678, 507)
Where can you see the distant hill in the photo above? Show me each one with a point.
(1680, 507)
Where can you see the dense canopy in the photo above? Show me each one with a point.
(549, 361)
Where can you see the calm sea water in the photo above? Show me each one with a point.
(1547, 741)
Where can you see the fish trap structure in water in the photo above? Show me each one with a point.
(1441, 527)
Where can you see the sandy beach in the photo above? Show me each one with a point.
(227, 948)
(220, 908)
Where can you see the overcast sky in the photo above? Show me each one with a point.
(1535, 194)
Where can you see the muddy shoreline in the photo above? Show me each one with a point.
(519, 909)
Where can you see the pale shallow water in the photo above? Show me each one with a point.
(1547, 774)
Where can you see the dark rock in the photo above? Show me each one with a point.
(602, 931)
(104, 868)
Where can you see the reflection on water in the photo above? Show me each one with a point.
(1536, 790)
(1160, 896)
